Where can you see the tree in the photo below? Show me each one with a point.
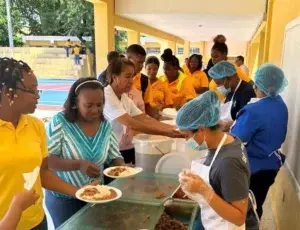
(57, 18)
(15, 15)
(120, 37)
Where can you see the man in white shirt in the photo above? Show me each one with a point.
(239, 61)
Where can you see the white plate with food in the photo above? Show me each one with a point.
(121, 171)
(98, 194)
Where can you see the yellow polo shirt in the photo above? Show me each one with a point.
(182, 89)
(162, 95)
(21, 150)
(137, 84)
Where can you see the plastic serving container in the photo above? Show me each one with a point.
(149, 149)
(115, 216)
(147, 187)
(184, 212)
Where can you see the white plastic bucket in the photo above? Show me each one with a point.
(149, 149)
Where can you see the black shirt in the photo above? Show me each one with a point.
(241, 98)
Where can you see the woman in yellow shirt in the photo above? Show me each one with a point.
(199, 78)
(219, 52)
(23, 145)
(180, 85)
(161, 94)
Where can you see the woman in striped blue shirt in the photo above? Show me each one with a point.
(80, 143)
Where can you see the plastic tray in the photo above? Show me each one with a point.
(146, 187)
(184, 212)
(118, 215)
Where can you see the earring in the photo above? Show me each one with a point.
(74, 107)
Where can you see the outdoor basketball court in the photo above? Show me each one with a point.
(54, 93)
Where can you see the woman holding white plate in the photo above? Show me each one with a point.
(80, 143)
(220, 184)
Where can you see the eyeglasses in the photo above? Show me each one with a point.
(35, 92)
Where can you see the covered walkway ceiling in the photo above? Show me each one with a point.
(197, 20)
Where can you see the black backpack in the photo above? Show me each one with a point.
(144, 84)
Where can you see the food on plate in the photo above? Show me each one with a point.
(180, 195)
(166, 222)
(160, 195)
(121, 171)
(98, 192)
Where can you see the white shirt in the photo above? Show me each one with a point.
(115, 108)
(245, 69)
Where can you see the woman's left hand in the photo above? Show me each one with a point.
(193, 183)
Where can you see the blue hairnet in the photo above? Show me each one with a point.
(221, 70)
(203, 111)
(270, 80)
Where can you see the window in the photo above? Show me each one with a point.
(194, 50)
(153, 50)
(179, 50)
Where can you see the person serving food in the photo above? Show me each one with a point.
(220, 184)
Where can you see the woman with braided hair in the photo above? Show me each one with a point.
(23, 145)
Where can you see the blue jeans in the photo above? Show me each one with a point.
(42, 226)
(61, 209)
(77, 59)
(67, 51)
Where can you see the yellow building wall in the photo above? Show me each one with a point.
(282, 12)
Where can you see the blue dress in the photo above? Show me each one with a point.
(262, 126)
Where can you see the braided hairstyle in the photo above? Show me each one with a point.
(11, 73)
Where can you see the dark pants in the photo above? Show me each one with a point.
(42, 226)
(129, 156)
(61, 209)
(260, 183)
(67, 51)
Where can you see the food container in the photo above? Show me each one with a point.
(138, 208)
(147, 187)
(183, 212)
(131, 215)
(184, 200)
(115, 216)
(149, 149)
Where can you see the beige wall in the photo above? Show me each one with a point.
(282, 12)
(48, 43)
(285, 203)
